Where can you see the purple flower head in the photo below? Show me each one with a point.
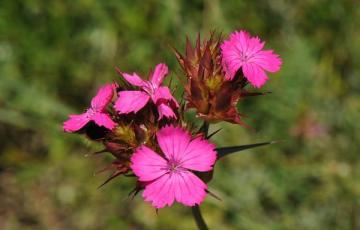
(134, 100)
(171, 177)
(246, 52)
(96, 112)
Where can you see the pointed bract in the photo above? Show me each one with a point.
(207, 90)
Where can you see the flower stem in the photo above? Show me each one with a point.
(198, 218)
(205, 129)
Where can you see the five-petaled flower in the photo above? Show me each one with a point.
(134, 100)
(244, 51)
(96, 112)
(169, 177)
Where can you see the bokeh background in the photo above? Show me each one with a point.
(54, 55)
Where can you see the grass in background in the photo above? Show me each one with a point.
(53, 56)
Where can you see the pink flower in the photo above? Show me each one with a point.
(168, 177)
(244, 51)
(95, 113)
(134, 100)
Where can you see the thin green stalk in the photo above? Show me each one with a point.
(198, 218)
(205, 129)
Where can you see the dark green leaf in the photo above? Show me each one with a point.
(233, 149)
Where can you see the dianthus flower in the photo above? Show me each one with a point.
(134, 100)
(246, 52)
(96, 112)
(169, 177)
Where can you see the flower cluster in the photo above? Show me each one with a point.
(142, 125)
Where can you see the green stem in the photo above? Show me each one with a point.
(205, 128)
(198, 218)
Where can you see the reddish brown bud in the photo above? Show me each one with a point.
(207, 90)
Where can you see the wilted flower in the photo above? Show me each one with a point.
(134, 100)
(244, 51)
(96, 112)
(169, 176)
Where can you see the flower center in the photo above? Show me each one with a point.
(90, 112)
(244, 56)
(150, 88)
(174, 166)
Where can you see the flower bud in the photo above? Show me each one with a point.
(207, 90)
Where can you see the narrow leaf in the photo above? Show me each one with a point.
(233, 149)
(251, 94)
(213, 195)
(112, 176)
(189, 52)
(212, 134)
(134, 192)
(95, 153)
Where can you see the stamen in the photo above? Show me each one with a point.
(174, 166)
(90, 112)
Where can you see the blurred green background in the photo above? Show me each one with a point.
(54, 55)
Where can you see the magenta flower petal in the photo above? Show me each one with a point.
(75, 122)
(250, 45)
(199, 155)
(103, 97)
(190, 190)
(160, 192)
(98, 106)
(184, 187)
(131, 101)
(267, 60)
(147, 164)
(170, 179)
(255, 74)
(103, 119)
(165, 111)
(230, 67)
(243, 51)
(163, 94)
(161, 70)
(173, 142)
(134, 79)
(160, 95)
